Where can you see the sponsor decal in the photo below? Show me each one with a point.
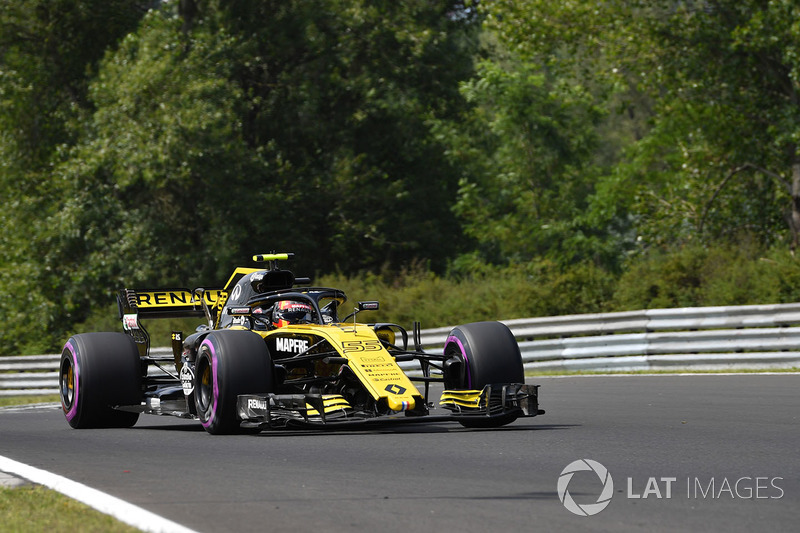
(395, 389)
(236, 293)
(288, 344)
(187, 380)
(254, 403)
(176, 298)
(220, 299)
(130, 322)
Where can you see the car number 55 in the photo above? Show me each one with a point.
(361, 346)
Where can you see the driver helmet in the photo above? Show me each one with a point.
(291, 312)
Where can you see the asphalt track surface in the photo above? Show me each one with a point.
(731, 443)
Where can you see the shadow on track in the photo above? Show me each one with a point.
(373, 427)
(419, 428)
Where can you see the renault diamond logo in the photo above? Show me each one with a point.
(394, 389)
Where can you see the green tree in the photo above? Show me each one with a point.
(529, 145)
(722, 156)
(527, 155)
(48, 50)
(161, 162)
(342, 96)
(217, 130)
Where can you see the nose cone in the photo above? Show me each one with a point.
(400, 403)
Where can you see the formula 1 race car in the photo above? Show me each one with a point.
(274, 353)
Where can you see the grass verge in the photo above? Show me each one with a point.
(8, 401)
(35, 508)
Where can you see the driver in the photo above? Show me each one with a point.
(291, 312)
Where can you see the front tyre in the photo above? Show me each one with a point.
(98, 371)
(229, 363)
(480, 354)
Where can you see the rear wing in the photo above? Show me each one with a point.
(135, 304)
(169, 303)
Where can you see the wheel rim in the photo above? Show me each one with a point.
(67, 383)
(205, 388)
(455, 348)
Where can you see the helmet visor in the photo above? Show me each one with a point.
(293, 313)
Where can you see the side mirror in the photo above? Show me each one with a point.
(362, 306)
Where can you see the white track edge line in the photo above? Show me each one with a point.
(105, 503)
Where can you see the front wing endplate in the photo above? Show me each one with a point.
(493, 400)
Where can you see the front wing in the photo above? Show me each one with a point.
(265, 411)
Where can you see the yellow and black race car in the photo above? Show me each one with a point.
(275, 353)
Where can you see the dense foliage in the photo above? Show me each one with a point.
(464, 159)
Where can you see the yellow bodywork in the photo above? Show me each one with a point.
(236, 276)
(177, 298)
(330, 403)
(462, 398)
(367, 358)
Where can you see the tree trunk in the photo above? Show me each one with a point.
(795, 221)
(188, 10)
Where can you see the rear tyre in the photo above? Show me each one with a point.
(480, 354)
(229, 363)
(98, 371)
